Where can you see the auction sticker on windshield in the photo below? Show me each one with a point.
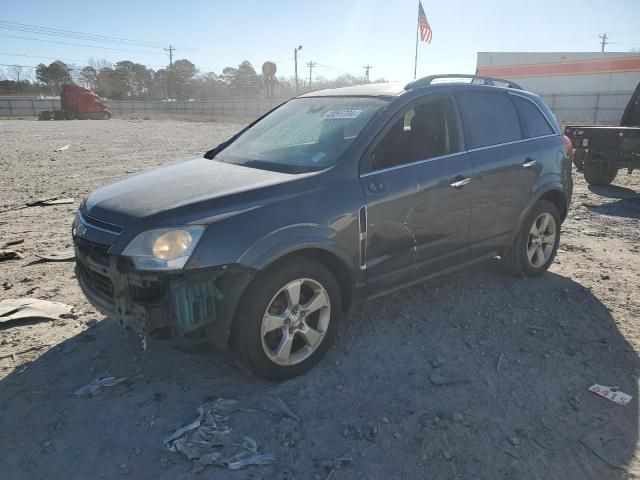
(341, 114)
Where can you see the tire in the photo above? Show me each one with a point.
(106, 115)
(599, 173)
(58, 115)
(266, 294)
(517, 256)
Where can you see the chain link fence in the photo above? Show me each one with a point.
(603, 108)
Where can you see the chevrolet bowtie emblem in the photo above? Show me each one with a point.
(81, 230)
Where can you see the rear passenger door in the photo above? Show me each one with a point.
(505, 166)
(536, 126)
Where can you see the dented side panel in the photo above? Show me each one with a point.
(415, 216)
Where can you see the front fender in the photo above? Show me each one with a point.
(284, 241)
(265, 252)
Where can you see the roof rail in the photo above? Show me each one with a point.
(424, 81)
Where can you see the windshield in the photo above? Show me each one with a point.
(303, 135)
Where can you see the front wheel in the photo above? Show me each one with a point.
(536, 244)
(288, 319)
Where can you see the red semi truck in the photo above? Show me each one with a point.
(78, 102)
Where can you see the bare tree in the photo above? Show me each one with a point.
(16, 73)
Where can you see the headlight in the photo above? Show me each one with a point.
(163, 249)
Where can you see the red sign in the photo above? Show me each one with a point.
(269, 69)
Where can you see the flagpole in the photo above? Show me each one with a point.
(415, 62)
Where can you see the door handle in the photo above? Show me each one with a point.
(376, 185)
(529, 162)
(460, 183)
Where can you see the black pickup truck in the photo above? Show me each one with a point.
(601, 151)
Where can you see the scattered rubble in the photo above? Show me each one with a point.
(208, 440)
(96, 386)
(8, 254)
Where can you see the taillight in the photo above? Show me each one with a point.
(568, 144)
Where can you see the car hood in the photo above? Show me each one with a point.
(185, 192)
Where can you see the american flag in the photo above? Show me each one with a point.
(423, 25)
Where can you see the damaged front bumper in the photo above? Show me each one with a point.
(199, 302)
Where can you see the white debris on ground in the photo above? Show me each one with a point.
(28, 308)
(208, 440)
(95, 386)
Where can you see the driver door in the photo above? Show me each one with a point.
(417, 199)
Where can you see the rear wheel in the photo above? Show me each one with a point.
(536, 244)
(106, 115)
(288, 319)
(599, 173)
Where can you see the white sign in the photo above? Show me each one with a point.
(610, 393)
(341, 114)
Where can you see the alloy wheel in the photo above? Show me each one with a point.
(295, 322)
(542, 238)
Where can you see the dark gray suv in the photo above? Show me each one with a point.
(332, 198)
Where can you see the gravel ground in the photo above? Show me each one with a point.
(475, 375)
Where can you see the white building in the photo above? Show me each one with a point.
(583, 87)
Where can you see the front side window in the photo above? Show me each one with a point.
(303, 135)
(424, 131)
(534, 122)
(490, 118)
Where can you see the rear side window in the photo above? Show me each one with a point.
(534, 123)
(490, 118)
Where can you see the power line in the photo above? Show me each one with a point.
(40, 56)
(24, 27)
(332, 68)
(79, 44)
(70, 59)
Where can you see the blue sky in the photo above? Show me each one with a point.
(340, 35)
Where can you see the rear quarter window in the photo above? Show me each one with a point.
(490, 118)
(534, 123)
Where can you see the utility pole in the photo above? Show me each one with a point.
(311, 65)
(366, 69)
(295, 59)
(603, 39)
(171, 49)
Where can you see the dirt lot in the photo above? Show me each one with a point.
(475, 375)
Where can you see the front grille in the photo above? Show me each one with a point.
(102, 225)
(96, 282)
(92, 264)
(97, 252)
